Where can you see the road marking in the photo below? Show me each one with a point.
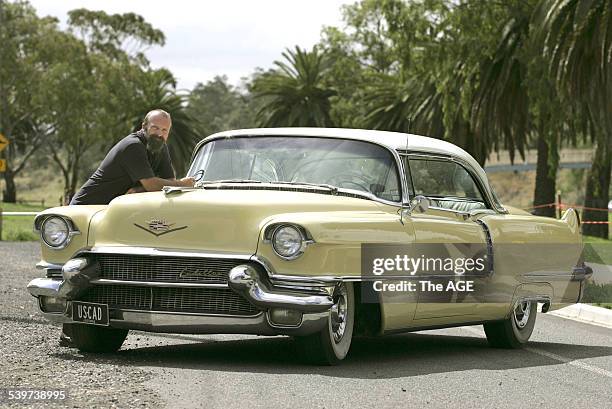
(562, 359)
(568, 361)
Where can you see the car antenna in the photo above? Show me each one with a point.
(405, 175)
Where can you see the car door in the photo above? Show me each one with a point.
(444, 232)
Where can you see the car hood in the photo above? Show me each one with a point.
(207, 220)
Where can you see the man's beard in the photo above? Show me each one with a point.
(155, 143)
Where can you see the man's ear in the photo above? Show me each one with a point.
(144, 125)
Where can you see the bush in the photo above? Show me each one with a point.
(597, 293)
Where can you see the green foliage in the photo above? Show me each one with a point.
(218, 106)
(115, 35)
(295, 93)
(24, 39)
(597, 293)
(576, 40)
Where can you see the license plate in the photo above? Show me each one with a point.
(90, 313)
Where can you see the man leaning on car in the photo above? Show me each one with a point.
(140, 162)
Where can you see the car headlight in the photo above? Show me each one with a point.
(55, 232)
(288, 242)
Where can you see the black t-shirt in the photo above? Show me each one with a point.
(125, 164)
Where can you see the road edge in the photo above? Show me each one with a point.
(586, 313)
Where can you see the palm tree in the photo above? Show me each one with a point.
(158, 90)
(294, 93)
(515, 99)
(577, 41)
(416, 106)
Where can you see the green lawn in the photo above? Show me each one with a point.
(604, 305)
(18, 228)
(597, 250)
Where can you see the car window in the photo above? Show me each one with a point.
(443, 179)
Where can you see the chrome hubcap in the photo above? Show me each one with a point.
(338, 314)
(521, 314)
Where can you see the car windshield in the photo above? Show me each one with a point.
(341, 163)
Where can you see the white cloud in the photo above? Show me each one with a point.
(223, 37)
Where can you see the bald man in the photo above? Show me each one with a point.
(140, 162)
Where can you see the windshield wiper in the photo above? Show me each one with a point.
(333, 189)
(212, 182)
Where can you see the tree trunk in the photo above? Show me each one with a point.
(545, 183)
(598, 191)
(9, 194)
(74, 177)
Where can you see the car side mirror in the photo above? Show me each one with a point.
(419, 203)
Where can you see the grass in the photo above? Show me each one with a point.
(597, 250)
(604, 305)
(18, 228)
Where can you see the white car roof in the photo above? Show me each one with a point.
(393, 140)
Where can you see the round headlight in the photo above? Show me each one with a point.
(55, 231)
(287, 242)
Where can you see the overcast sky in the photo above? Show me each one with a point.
(216, 37)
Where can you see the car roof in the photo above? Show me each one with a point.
(392, 140)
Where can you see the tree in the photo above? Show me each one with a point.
(92, 85)
(294, 93)
(577, 41)
(516, 98)
(426, 85)
(23, 39)
(218, 106)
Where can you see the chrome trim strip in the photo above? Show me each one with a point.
(195, 314)
(156, 252)
(104, 281)
(43, 265)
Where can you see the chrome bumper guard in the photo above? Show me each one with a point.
(245, 280)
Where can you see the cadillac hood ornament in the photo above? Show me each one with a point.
(159, 227)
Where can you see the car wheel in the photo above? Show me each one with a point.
(515, 331)
(90, 338)
(331, 345)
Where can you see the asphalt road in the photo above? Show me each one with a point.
(567, 364)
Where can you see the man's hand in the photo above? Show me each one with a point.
(137, 189)
(187, 182)
(155, 184)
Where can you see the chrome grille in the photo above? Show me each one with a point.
(120, 296)
(164, 268)
(196, 300)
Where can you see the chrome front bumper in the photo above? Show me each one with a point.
(313, 301)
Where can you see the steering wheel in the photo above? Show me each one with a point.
(343, 179)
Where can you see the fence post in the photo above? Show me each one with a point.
(558, 204)
(0, 224)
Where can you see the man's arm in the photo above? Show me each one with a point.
(156, 184)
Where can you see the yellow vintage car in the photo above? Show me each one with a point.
(319, 234)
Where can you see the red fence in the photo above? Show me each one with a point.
(562, 206)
